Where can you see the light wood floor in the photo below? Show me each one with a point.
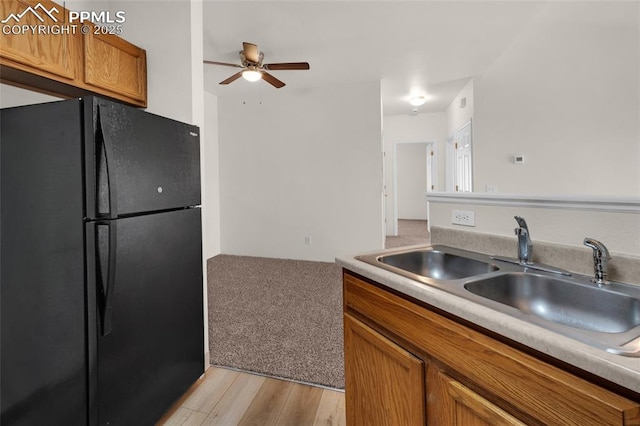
(228, 397)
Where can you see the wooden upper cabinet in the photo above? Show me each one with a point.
(69, 59)
(126, 73)
(53, 55)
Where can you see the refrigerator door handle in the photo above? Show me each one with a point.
(106, 246)
(105, 186)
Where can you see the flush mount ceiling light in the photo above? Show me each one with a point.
(417, 100)
(251, 75)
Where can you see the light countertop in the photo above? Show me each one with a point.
(624, 371)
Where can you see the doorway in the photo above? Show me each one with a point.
(414, 174)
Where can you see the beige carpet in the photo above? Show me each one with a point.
(281, 317)
(277, 317)
(410, 232)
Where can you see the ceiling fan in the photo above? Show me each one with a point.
(253, 69)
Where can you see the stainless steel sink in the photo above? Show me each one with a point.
(564, 302)
(606, 317)
(437, 264)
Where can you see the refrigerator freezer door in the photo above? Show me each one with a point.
(149, 292)
(42, 336)
(138, 162)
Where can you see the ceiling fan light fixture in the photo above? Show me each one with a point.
(251, 75)
(252, 68)
(417, 100)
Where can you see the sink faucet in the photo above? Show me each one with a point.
(600, 258)
(525, 246)
(525, 250)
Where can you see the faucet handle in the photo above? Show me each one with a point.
(521, 222)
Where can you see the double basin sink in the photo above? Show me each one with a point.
(603, 316)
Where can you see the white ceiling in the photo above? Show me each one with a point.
(432, 47)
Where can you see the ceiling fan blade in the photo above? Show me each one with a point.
(232, 78)
(222, 63)
(287, 66)
(272, 80)
(251, 52)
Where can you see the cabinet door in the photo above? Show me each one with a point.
(40, 54)
(115, 65)
(449, 402)
(384, 382)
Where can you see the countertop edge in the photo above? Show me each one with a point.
(624, 371)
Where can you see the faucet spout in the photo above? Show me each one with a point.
(525, 245)
(601, 257)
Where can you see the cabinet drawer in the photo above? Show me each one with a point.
(512, 378)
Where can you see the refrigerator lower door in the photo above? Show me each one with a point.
(147, 290)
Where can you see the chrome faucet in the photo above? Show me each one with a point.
(525, 246)
(525, 250)
(600, 258)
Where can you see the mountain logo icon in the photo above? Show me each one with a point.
(38, 11)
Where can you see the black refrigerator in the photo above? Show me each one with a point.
(100, 264)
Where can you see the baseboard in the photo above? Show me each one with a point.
(207, 358)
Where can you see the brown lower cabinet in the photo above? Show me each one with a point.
(384, 380)
(456, 404)
(406, 364)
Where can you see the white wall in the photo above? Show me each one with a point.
(399, 129)
(299, 164)
(565, 94)
(458, 116)
(411, 180)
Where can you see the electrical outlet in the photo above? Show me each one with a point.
(463, 217)
(307, 240)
